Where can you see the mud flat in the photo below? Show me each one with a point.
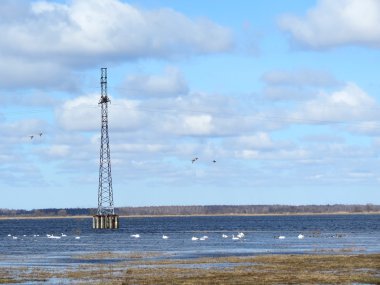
(139, 268)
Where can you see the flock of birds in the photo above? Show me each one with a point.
(48, 236)
(39, 134)
(196, 158)
(239, 236)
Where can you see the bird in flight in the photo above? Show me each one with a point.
(214, 161)
(194, 159)
(33, 136)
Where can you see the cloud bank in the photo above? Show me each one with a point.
(43, 41)
(336, 23)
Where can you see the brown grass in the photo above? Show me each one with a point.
(267, 269)
(277, 269)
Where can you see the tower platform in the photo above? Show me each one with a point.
(105, 222)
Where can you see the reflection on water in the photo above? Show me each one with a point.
(322, 234)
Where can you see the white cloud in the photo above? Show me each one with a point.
(58, 151)
(347, 105)
(169, 84)
(334, 23)
(371, 128)
(258, 141)
(138, 147)
(22, 71)
(197, 124)
(44, 40)
(299, 84)
(300, 77)
(83, 114)
(30, 99)
(279, 154)
(261, 146)
(20, 130)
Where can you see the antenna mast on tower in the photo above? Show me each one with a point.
(105, 217)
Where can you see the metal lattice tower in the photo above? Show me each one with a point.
(105, 194)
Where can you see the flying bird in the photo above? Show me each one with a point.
(31, 137)
(194, 159)
(214, 161)
(40, 134)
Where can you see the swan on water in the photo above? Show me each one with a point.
(53, 237)
(235, 237)
(194, 238)
(224, 236)
(165, 237)
(135, 235)
(301, 236)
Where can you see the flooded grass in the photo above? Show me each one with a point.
(266, 269)
(277, 269)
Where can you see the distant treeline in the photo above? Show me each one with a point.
(201, 210)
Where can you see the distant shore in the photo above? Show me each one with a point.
(189, 215)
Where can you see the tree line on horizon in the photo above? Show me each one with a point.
(199, 210)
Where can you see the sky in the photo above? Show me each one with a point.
(283, 95)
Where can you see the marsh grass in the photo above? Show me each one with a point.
(276, 269)
(266, 269)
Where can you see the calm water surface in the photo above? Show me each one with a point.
(323, 234)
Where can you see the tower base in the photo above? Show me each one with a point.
(105, 222)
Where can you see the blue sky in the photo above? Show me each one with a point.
(284, 95)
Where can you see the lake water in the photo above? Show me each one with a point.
(322, 234)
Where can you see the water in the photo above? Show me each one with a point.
(323, 234)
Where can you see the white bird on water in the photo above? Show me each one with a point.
(235, 238)
(135, 235)
(241, 235)
(63, 235)
(194, 238)
(77, 237)
(224, 236)
(164, 237)
(301, 236)
(53, 237)
(281, 237)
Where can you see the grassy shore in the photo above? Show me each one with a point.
(267, 269)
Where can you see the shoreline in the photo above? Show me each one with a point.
(261, 269)
(187, 215)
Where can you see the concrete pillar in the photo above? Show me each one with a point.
(105, 222)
